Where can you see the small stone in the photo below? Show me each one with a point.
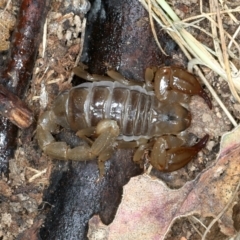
(219, 115)
(210, 145)
(206, 117)
(6, 219)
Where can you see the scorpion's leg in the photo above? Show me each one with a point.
(167, 157)
(112, 75)
(120, 78)
(106, 132)
(141, 145)
(80, 72)
(60, 150)
(86, 133)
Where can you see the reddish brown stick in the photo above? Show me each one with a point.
(19, 66)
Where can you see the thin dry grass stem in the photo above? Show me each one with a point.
(153, 28)
(222, 212)
(200, 222)
(193, 24)
(204, 15)
(225, 56)
(8, 3)
(210, 19)
(166, 21)
(216, 42)
(55, 80)
(224, 6)
(232, 40)
(37, 173)
(42, 87)
(233, 37)
(193, 225)
(201, 6)
(195, 51)
(226, 33)
(44, 41)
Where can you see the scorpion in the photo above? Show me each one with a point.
(110, 112)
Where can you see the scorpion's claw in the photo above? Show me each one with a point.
(176, 157)
(206, 98)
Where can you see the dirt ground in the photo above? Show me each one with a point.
(21, 193)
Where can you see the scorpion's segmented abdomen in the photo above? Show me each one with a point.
(129, 106)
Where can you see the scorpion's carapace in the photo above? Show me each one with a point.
(111, 112)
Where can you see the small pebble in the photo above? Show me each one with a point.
(206, 117)
(219, 115)
(210, 145)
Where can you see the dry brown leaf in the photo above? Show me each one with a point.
(149, 207)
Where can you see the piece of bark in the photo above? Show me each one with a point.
(17, 72)
(120, 38)
(14, 109)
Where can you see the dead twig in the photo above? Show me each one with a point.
(19, 66)
(13, 108)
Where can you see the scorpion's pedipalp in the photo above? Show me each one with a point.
(174, 158)
(186, 82)
(161, 83)
(169, 79)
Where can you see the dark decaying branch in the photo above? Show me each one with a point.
(18, 69)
